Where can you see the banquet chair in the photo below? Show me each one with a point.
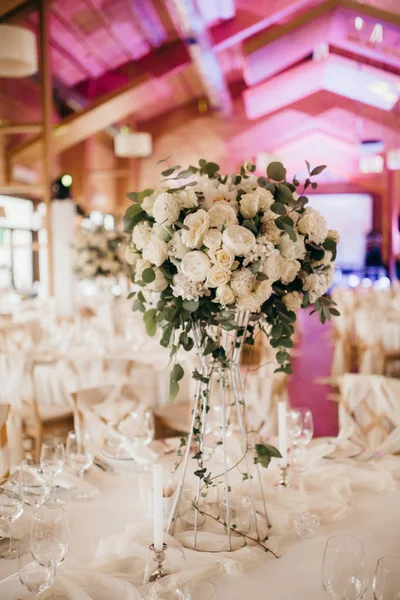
(19, 337)
(369, 412)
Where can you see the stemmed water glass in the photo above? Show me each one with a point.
(11, 508)
(138, 429)
(33, 482)
(343, 571)
(52, 459)
(302, 433)
(386, 584)
(34, 577)
(79, 454)
(50, 537)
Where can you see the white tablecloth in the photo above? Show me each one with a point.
(375, 520)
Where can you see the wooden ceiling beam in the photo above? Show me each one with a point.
(11, 129)
(87, 122)
(12, 11)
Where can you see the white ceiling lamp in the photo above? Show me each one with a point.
(371, 164)
(133, 144)
(18, 55)
(393, 159)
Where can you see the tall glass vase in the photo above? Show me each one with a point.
(219, 502)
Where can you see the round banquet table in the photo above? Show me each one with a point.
(295, 575)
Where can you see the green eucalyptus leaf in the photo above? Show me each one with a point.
(276, 171)
(148, 275)
(318, 170)
(248, 224)
(278, 208)
(173, 390)
(169, 171)
(210, 168)
(290, 231)
(262, 181)
(150, 322)
(191, 305)
(133, 211)
(159, 162)
(177, 373)
(308, 167)
(132, 196)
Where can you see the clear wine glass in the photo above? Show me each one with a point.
(198, 590)
(33, 482)
(303, 431)
(50, 536)
(138, 429)
(52, 459)
(386, 584)
(11, 508)
(79, 453)
(33, 576)
(343, 570)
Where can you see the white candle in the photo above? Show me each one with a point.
(158, 506)
(282, 429)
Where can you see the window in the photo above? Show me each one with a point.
(23, 249)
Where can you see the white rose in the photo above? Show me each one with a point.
(249, 206)
(313, 224)
(224, 295)
(290, 249)
(238, 239)
(217, 276)
(265, 199)
(196, 265)
(263, 290)
(273, 265)
(198, 224)
(148, 202)
(242, 282)
(131, 256)
(159, 284)
(213, 238)
(334, 235)
(213, 191)
(141, 265)
(166, 209)
(186, 199)
(156, 251)
(176, 248)
(271, 232)
(290, 269)
(141, 235)
(249, 184)
(292, 301)
(222, 256)
(221, 213)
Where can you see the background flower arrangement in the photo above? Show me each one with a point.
(98, 253)
(206, 245)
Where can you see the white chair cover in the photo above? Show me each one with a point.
(369, 412)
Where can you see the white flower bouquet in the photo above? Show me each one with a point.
(212, 245)
(97, 253)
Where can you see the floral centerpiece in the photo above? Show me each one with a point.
(216, 259)
(98, 253)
